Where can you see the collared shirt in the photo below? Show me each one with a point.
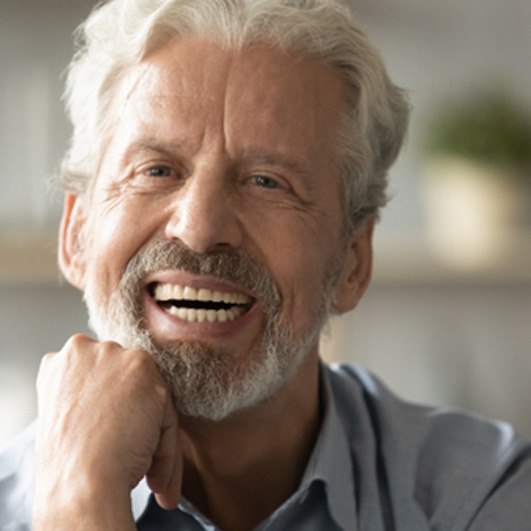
(379, 463)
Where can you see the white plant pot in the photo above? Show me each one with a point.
(474, 212)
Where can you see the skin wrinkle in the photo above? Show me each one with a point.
(225, 109)
(140, 147)
(122, 186)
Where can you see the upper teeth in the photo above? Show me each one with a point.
(167, 292)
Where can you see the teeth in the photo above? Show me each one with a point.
(204, 295)
(171, 292)
(166, 292)
(189, 294)
(212, 316)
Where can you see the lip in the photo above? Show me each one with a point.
(170, 328)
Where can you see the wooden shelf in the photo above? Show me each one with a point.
(409, 259)
(398, 259)
(26, 259)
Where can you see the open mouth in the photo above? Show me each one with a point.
(200, 305)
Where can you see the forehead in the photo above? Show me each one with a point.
(191, 88)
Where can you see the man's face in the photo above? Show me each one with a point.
(230, 159)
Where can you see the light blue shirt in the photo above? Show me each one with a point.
(379, 463)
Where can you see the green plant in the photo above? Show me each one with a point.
(489, 128)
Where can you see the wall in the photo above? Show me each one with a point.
(449, 344)
(446, 342)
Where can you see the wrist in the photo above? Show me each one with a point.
(81, 505)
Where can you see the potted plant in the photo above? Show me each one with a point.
(478, 169)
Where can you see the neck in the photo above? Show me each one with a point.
(239, 470)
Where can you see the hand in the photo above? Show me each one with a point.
(105, 420)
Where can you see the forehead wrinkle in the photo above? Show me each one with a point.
(224, 109)
(213, 87)
(132, 78)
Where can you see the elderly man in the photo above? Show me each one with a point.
(228, 162)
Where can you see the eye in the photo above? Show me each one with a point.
(158, 171)
(266, 182)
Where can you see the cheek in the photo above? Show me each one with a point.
(301, 266)
(116, 232)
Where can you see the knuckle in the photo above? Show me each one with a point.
(141, 360)
(77, 341)
(108, 347)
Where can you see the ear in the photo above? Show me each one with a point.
(71, 254)
(357, 268)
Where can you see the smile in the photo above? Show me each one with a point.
(200, 305)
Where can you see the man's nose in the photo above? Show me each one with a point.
(204, 213)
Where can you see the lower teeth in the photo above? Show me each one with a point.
(193, 315)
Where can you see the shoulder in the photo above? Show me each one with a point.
(16, 481)
(456, 466)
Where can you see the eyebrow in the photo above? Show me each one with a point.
(276, 159)
(153, 145)
(250, 155)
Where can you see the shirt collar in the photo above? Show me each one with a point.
(331, 462)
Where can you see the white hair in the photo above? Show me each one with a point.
(119, 33)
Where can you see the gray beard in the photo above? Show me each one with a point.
(205, 381)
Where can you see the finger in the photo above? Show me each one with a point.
(169, 498)
(165, 470)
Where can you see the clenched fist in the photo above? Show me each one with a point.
(106, 420)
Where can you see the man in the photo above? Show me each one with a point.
(228, 162)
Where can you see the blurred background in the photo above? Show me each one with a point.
(447, 319)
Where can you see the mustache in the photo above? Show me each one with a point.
(235, 267)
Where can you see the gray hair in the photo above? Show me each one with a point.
(121, 33)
